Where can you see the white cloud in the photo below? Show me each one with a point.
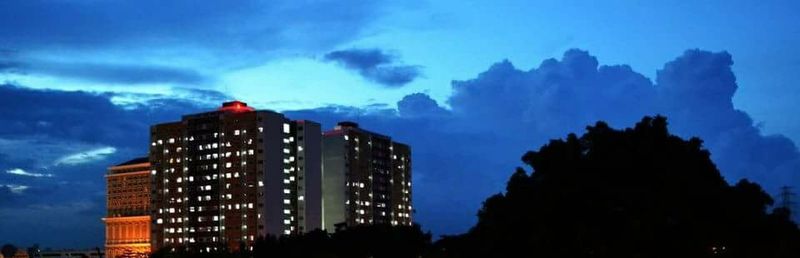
(21, 172)
(16, 189)
(86, 156)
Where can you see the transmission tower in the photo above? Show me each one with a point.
(787, 200)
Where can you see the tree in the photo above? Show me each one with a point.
(8, 250)
(638, 192)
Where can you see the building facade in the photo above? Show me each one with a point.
(366, 180)
(128, 207)
(221, 179)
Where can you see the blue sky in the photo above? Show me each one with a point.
(83, 79)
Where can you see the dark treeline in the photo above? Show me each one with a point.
(360, 241)
(637, 192)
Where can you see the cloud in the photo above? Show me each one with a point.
(21, 172)
(86, 156)
(505, 111)
(247, 31)
(73, 136)
(14, 189)
(375, 65)
(419, 104)
(104, 72)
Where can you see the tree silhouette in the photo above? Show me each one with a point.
(638, 192)
(8, 250)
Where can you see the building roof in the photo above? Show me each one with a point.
(135, 161)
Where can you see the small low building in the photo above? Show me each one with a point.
(20, 254)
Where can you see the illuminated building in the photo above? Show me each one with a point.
(226, 177)
(366, 180)
(128, 205)
(20, 254)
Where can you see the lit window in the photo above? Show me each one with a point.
(287, 201)
(236, 132)
(228, 164)
(284, 212)
(286, 191)
(287, 222)
(159, 221)
(286, 128)
(299, 148)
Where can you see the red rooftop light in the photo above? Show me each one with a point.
(236, 106)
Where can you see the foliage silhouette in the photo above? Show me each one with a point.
(638, 192)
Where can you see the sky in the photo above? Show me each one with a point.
(470, 85)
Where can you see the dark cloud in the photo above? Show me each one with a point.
(41, 129)
(375, 65)
(105, 72)
(697, 91)
(247, 30)
(494, 118)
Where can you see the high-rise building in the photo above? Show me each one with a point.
(226, 177)
(366, 179)
(128, 208)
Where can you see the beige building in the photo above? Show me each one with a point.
(128, 221)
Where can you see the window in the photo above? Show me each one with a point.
(286, 128)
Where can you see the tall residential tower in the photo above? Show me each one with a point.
(367, 178)
(224, 178)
